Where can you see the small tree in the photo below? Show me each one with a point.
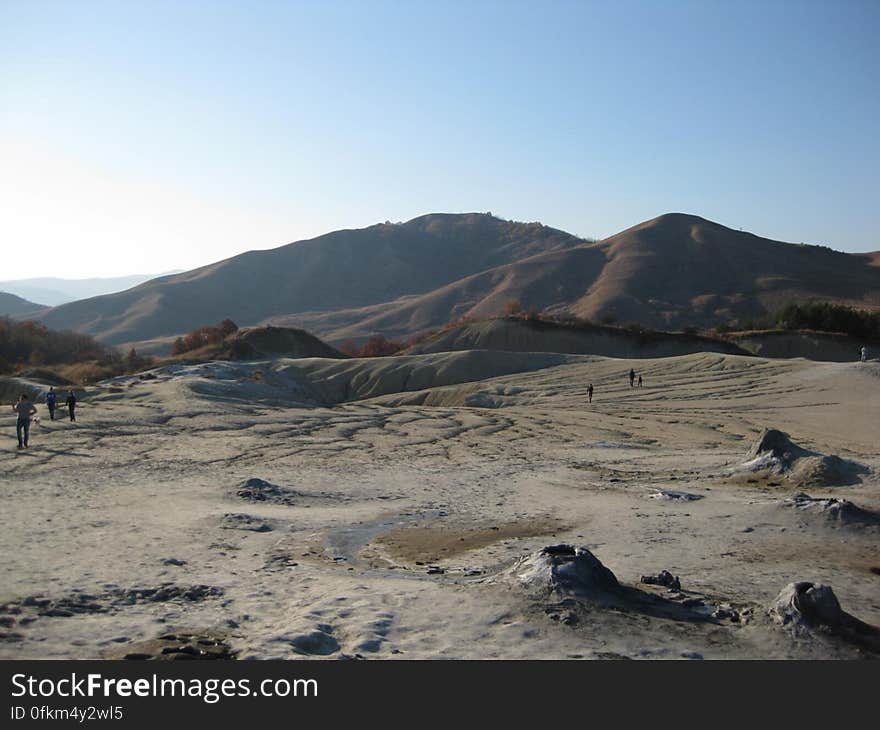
(349, 347)
(132, 361)
(227, 327)
(513, 307)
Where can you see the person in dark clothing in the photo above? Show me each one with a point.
(25, 409)
(632, 377)
(590, 393)
(71, 405)
(640, 381)
(51, 402)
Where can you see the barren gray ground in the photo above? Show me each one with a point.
(386, 528)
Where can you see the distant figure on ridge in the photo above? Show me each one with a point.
(632, 377)
(25, 409)
(640, 381)
(71, 405)
(863, 353)
(590, 393)
(51, 402)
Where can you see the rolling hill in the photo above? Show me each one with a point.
(14, 306)
(340, 270)
(671, 272)
(254, 343)
(400, 279)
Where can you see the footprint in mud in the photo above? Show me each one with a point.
(376, 632)
(340, 625)
(320, 642)
(312, 639)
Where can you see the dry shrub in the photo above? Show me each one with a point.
(203, 336)
(376, 346)
(513, 307)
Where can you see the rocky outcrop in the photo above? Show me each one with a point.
(259, 490)
(176, 646)
(663, 578)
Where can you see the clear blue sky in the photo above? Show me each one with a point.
(148, 136)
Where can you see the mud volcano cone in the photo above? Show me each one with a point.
(564, 569)
(778, 444)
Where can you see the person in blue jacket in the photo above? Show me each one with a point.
(51, 402)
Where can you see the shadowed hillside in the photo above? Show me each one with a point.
(514, 334)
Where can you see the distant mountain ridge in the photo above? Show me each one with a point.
(53, 290)
(400, 279)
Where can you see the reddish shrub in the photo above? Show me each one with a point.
(378, 346)
(513, 306)
(202, 336)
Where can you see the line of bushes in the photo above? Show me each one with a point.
(376, 346)
(71, 356)
(828, 317)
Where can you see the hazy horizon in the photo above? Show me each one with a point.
(166, 136)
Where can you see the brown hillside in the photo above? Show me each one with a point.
(667, 273)
(340, 270)
(398, 280)
(680, 269)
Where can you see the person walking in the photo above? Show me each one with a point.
(863, 354)
(632, 377)
(590, 393)
(640, 381)
(71, 405)
(51, 402)
(25, 409)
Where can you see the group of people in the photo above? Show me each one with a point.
(27, 412)
(632, 382)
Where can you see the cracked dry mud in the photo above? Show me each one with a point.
(376, 529)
